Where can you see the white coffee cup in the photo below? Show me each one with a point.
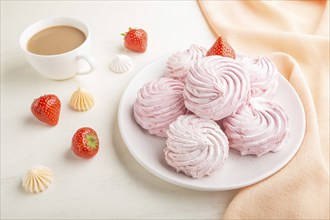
(59, 66)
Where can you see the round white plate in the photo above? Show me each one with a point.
(238, 171)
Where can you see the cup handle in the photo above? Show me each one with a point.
(91, 62)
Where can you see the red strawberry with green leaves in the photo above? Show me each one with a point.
(136, 40)
(221, 48)
(85, 143)
(47, 109)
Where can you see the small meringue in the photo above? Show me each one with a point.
(37, 179)
(121, 64)
(81, 100)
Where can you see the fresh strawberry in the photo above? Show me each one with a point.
(47, 109)
(85, 143)
(136, 40)
(222, 48)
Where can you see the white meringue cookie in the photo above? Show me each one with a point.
(258, 127)
(178, 64)
(158, 104)
(215, 87)
(121, 64)
(195, 146)
(37, 179)
(263, 75)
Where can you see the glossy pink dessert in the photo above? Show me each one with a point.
(263, 75)
(215, 87)
(158, 104)
(195, 146)
(258, 127)
(178, 64)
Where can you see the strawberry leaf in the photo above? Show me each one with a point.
(91, 141)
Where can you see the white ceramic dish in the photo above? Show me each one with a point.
(238, 171)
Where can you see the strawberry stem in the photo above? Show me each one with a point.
(91, 141)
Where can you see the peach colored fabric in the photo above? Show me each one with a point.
(296, 36)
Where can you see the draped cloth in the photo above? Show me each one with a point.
(295, 34)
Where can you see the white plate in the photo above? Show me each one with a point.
(238, 171)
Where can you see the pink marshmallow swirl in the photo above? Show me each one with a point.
(215, 87)
(195, 146)
(257, 127)
(263, 76)
(179, 63)
(158, 104)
